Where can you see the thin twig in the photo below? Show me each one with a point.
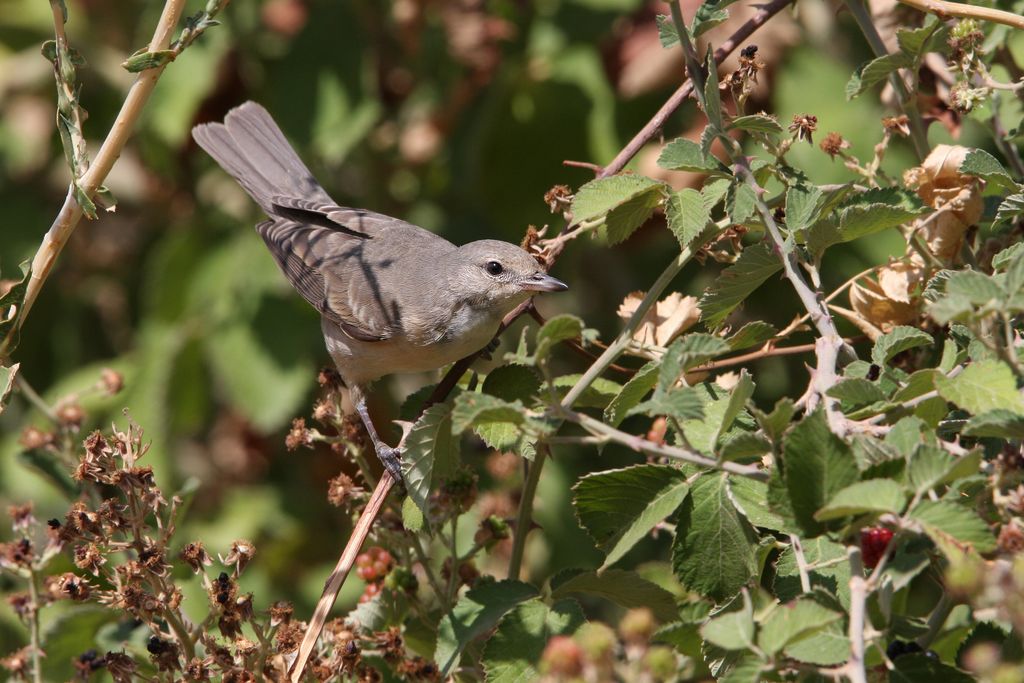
(524, 518)
(340, 573)
(801, 563)
(71, 212)
(858, 604)
(943, 10)
(35, 642)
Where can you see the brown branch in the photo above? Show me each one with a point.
(340, 573)
(766, 12)
(943, 9)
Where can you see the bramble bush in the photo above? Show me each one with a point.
(865, 527)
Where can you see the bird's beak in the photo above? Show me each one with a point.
(542, 282)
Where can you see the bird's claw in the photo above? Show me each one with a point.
(391, 458)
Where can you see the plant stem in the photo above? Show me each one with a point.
(943, 9)
(35, 641)
(71, 213)
(34, 398)
(421, 555)
(801, 563)
(453, 575)
(917, 131)
(858, 604)
(525, 516)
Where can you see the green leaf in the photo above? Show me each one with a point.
(873, 495)
(856, 392)
(1001, 424)
(710, 14)
(918, 41)
(667, 34)
(513, 653)
(686, 353)
(475, 614)
(70, 634)
(931, 466)
(558, 329)
(738, 398)
(920, 668)
(863, 214)
(387, 608)
(618, 508)
(740, 202)
(624, 200)
(712, 97)
(981, 387)
(897, 341)
(978, 288)
(827, 647)
(755, 264)
(744, 445)
(10, 310)
(512, 382)
(876, 71)
(681, 403)
(412, 517)
(1011, 208)
(756, 123)
(754, 333)
(686, 215)
(942, 519)
(751, 499)
(625, 588)
(816, 465)
(827, 570)
(598, 394)
(801, 206)
(981, 164)
(471, 409)
(1004, 258)
(776, 422)
(794, 621)
(632, 393)
(431, 453)
(623, 220)
(7, 377)
(685, 155)
(715, 548)
(731, 630)
(143, 60)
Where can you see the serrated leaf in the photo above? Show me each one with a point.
(667, 34)
(863, 214)
(681, 403)
(1001, 424)
(686, 353)
(740, 202)
(918, 41)
(471, 409)
(685, 155)
(856, 392)
(977, 288)
(793, 621)
(714, 552)
(873, 495)
(618, 508)
(738, 398)
(801, 206)
(512, 383)
(475, 614)
(598, 197)
(826, 569)
(755, 264)
(431, 452)
(412, 517)
(686, 215)
(1005, 257)
(1009, 210)
(754, 333)
(941, 518)
(876, 71)
(897, 341)
(598, 394)
(981, 387)
(731, 630)
(816, 465)
(756, 123)
(777, 421)
(557, 329)
(981, 164)
(931, 466)
(827, 647)
(712, 96)
(920, 668)
(625, 588)
(624, 219)
(710, 14)
(387, 608)
(513, 653)
(743, 445)
(632, 393)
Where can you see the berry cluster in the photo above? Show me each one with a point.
(372, 567)
(873, 542)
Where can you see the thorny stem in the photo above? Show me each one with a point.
(906, 102)
(524, 518)
(71, 212)
(858, 604)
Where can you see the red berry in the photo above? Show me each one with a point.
(384, 556)
(362, 560)
(873, 542)
(379, 568)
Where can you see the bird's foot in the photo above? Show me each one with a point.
(488, 351)
(391, 458)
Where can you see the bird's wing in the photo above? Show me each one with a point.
(309, 256)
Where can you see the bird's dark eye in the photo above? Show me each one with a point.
(494, 268)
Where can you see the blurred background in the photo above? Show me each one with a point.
(453, 114)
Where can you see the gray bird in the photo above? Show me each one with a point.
(393, 298)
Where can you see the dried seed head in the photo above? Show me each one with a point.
(21, 517)
(558, 198)
(89, 557)
(164, 654)
(111, 380)
(330, 379)
(195, 556)
(289, 636)
(341, 489)
(298, 436)
(241, 554)
(325, 411)
(390, 643)
(120, 666)
(21, 604)
(70, 415)
(897, 125)
(16, 554)
(803, 127)
(281, 613)
(33, 438)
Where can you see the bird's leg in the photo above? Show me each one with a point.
(492, 346)
(388, 456)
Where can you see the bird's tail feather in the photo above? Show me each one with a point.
(253, 150)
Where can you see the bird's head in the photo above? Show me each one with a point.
(498, 275)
